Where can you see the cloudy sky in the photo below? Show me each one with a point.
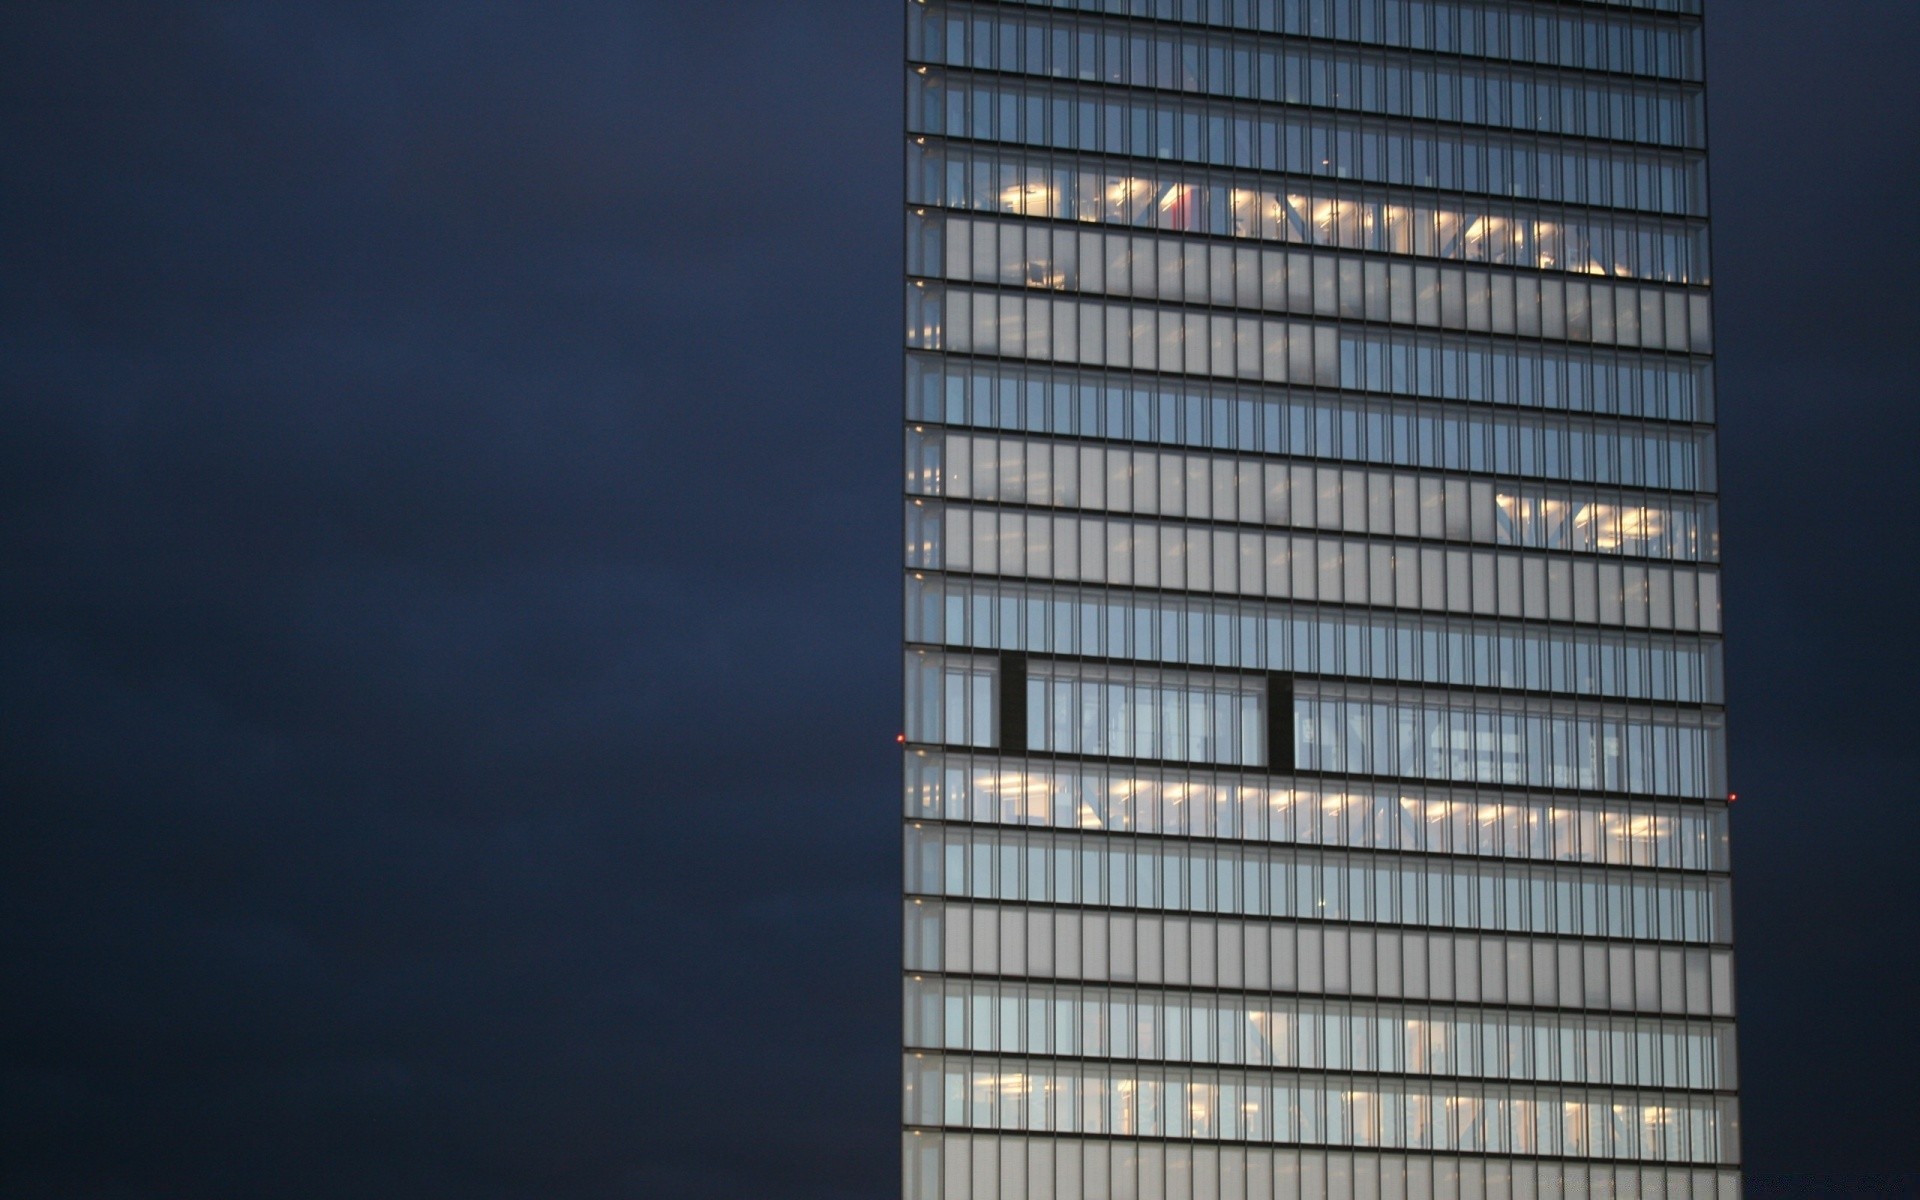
(448, 664)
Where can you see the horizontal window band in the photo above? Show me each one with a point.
(1143, 410)
(1237, 845)
(1490, 1084)
(1477, 692)
(1549, 239)
(1704, 637)
(1678, 29)
(1228, 808)
(1273, 69)
(1046, 327)
(1205, 239)
(1480, 1083)
(1332, 960)
(1355, 571)
(1369, 536)
(1156, 715)
(1012, 1093)
(1176, 379)
(1357, 1074)
(1358, 323)
(1394, 891)
(938, 427)
(1370, 729)
(1403, 928)
(1330, 998)
(1311, 776)
(1595, 145)
(1198, 175)
(1253, 675)
(1159, 127)
(1722, 1182)
(1364, 287)
(1312, 19)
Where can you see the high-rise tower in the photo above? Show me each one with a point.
(1315, 768)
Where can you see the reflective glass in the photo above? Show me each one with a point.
(1233, 1029)
(969, 612)
(1170, 875)
(1316, 73)
(1325, 569)
(1207, 343)
(1062, 116)
(1227, 1104)
(1028, 254)
(1354, 730)
(1315, 958)
(1304, 211)
(1314, 747)
(1265, 491)
(1542, 33)
(1115, 406)
(1181, 801)
(1044, 1166)
(1134, 712)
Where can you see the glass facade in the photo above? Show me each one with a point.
(1315, 781)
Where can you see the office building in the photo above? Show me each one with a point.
(1315, 780)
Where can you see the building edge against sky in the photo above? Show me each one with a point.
(1315, 778)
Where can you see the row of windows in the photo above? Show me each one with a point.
(1223, 1104)
(1175, 716)
(1135, 408)
(1265, 491)
(1130, 712)
(1432, 740)
(1135, 712)
(1097, 333)
(1525, 32)
(986, 178)
(1278, 566)
(1179, 270)
(1150, 125)
(1315, 959)
(966, 612)
(1151, 1025)
(1150, 56)
(1146, 712)
(994, 1166)
(1186, 802)
(1130, 871)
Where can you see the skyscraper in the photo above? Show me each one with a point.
(1315, 768)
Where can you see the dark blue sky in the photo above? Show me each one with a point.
(448, 491)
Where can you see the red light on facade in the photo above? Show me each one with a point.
(1732, 796)
(901, 738)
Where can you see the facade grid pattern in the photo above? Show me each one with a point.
(1315, 767)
